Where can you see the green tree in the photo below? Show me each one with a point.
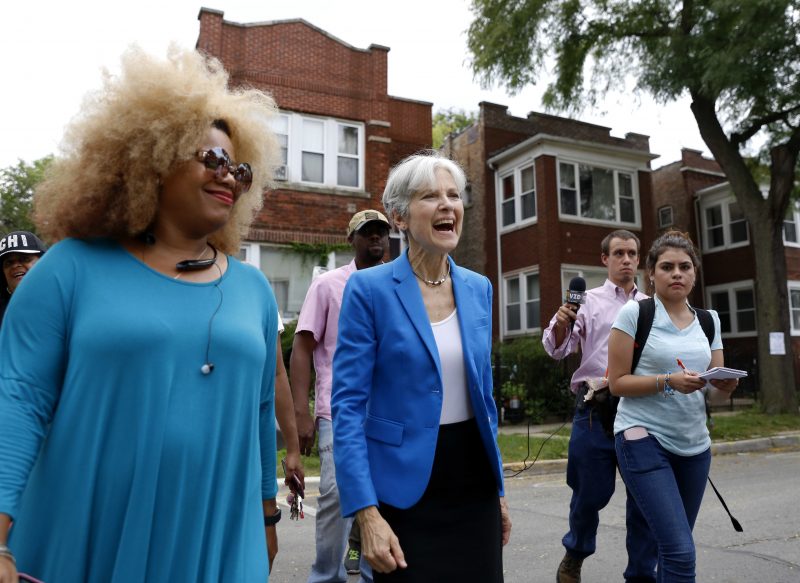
(447, 121)
(16, 194)
(739, 62)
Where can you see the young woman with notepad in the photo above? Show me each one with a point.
(662, 443)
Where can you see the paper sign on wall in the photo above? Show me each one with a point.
(776, 344)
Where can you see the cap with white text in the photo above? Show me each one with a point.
(21, 242)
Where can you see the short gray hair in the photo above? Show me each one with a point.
(413, 174)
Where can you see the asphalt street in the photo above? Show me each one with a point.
(761, 489)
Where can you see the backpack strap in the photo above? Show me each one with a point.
(706, 323)
(644, 322)
(647, 313)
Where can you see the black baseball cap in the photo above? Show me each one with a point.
(21, 242)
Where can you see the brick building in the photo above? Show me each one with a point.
(340, 134)
(543, 192)
(692, 194)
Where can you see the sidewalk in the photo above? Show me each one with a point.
(787, 440)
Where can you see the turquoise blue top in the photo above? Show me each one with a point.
(119, 460)
(678, 421)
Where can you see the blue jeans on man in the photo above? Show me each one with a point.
(591, 473)
(668, 489)
(332, 530)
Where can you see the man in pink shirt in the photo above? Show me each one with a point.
(315, 336)
(592, 461)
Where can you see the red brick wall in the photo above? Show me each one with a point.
(549, 242)
(308, 71)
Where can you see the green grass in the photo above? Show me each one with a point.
(310, 463)
(514, 448)
(751, 423)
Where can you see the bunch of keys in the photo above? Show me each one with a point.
(295, 497)
(295, 506)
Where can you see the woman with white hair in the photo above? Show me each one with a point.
(414, 420)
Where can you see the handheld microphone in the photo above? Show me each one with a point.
(576, 294)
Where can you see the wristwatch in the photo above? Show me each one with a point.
(274, 519)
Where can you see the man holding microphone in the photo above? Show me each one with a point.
(592, 462)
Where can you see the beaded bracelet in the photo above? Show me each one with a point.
(668, 390)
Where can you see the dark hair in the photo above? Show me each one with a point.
(672, 240)
(222, 126)
(605, 244)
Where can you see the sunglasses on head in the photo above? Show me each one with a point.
(217, 159)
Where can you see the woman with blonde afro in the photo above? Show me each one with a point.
(137, 367)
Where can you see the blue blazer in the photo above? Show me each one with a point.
(387, 383)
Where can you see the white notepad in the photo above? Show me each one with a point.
(722, 372)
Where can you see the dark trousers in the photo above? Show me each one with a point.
(591, 473)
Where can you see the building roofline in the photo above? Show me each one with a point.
(537, 138)
(293, 21)
(713, 188)
(409, 100)
(702, 171)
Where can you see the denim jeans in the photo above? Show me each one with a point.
(668, 489)
(591, 473)
(331, 529)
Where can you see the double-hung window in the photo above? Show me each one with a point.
(794, 306)
(281, 127)
(518, 195)
(791, 225)
(597, 194)
(736, 306)
(319, 151)
(724, 225)
(313, 154)
(522, 302)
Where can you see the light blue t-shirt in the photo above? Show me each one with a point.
(677, 421)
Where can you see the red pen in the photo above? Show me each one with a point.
(680, 364)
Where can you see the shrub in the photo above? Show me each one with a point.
(522, 363)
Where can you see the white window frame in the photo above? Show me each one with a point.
(794, 210)
(330, 150)
(280, 172)
(522, 276)
(731, 289)
(724, 202)
(587, 272)
(515, 172)
(793, 285)
(617, 221)
(252, 254)
(662, 220)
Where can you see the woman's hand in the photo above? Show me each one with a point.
(294, 468)
(8, 571)
(725, 385)
(272, 544)
(379, 545)
(686, 382)
(505, 520)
